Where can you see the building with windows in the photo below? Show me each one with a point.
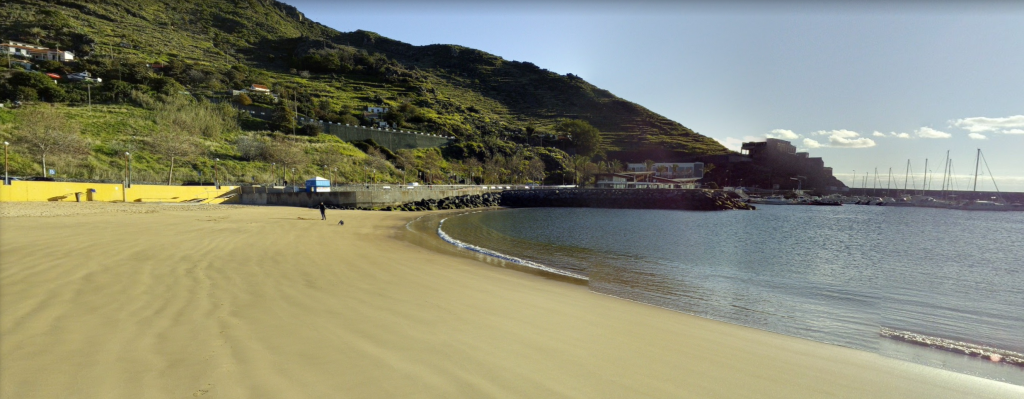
(670, 170)
(34, 52)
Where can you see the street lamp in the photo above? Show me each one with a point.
(273, 173)
(127, 169)
(216, 183)
(7, 180)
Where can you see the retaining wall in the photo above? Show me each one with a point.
(391, 139)
(33, 191)
(349, 198)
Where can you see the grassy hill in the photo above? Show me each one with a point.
(207, 47)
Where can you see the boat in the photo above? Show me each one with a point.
(994, 203)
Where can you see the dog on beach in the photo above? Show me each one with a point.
(341, 223)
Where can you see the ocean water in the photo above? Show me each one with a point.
(830, 274)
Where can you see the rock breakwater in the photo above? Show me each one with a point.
(459, 202)
(697, 200)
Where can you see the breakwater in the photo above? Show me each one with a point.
(459, 202)
(696, 200)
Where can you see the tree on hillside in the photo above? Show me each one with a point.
(288, 154)
(535, 170)
(251, 147)
(284, 118)
(242, 99)
(586, 138)
(46, 132)
(473, 167)
(173, 145)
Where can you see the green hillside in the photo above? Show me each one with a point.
(206, 48)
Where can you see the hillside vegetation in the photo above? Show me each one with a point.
(497, 109)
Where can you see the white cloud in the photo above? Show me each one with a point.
(929, 133)
(841, 133)
(811, 143)
(891, 134)
(977, 136)
(843, 142)
(784, 134)
(1008, 125)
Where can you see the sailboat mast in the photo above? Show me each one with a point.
(874, 184)
(906, 178)
(924, 183)
(945, 169)
(889, 183)
(977, 159)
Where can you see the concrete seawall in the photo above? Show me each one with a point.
(35, 191)
(351, 198)
(704, 200)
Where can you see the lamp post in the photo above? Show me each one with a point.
(273, 173)
(216, 183)
(7, 180)
(127, 170)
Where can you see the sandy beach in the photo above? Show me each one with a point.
(175, 301)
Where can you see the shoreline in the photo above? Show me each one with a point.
(271, 302)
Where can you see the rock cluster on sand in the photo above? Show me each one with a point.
(460, 202)
(698, 200)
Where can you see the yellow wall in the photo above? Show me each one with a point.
(61, 191)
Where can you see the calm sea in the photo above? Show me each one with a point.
(830, 274)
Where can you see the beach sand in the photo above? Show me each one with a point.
(161, 301)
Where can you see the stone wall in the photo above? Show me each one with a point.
(391, 139)
(376, 198)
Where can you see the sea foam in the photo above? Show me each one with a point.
(498, 255)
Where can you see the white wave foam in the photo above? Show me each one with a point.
(444, 236)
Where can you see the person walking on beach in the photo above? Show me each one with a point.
(323, 211)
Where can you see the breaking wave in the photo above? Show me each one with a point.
(498, 255)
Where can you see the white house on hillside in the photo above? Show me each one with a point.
(36, 52)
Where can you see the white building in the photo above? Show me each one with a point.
(26, 50)
(670, 170)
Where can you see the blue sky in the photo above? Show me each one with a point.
(864, 85)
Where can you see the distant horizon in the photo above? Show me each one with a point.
(860, 84)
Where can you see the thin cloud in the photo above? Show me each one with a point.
(891, 134)
(843, 142)
(783, 134)
(812, 143)
(929, 133)
(977, 136)
(1008, 125)
(841, 133)
(841, 138)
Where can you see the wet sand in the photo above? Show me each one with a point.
(271, 302)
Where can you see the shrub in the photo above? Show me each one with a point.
(243, 99)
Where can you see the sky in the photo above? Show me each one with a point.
(865, 85)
